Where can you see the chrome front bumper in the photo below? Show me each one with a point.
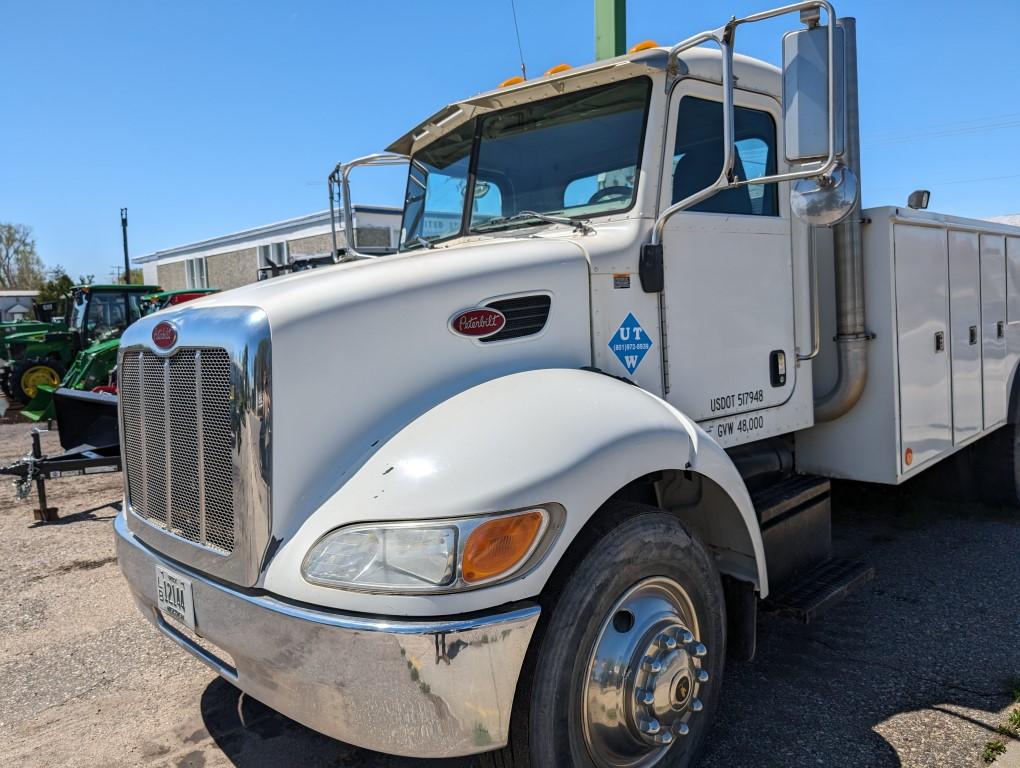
(418, 688)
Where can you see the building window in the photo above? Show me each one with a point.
(197, 277)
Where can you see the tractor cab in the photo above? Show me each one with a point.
(100, 312)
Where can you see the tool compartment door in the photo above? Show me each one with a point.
(922, 315)
(993, 327)
(965, 335)
(728, 298)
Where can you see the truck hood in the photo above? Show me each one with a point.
(359, 350)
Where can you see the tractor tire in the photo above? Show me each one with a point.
(5, 382)
(626, 664)
(26, 375)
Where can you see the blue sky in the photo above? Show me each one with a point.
(208, 117)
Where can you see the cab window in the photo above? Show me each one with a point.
(698, 158)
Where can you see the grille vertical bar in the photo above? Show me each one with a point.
(178, 443)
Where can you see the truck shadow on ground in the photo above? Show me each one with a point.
(912, 669)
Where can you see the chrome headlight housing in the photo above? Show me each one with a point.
(433, 556)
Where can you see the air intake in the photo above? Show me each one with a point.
(525, 316)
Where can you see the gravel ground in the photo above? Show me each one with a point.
(909, 671)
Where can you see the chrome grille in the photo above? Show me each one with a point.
(178, 441)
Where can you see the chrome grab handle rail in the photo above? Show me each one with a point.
(340, 178)
(724, 37)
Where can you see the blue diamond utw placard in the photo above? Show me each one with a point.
(630, 343)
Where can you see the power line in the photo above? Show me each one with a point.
(937, 184)
(956, 128)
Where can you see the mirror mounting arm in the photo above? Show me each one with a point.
(724, 37)
(339, 181)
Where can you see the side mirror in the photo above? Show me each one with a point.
(806, 93)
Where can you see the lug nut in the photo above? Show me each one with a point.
(696, 705)
(668, 642)
(650, 727)
(664, 738)
(685, 636)
(645, 696)
(681, 729)
(701, 676)
(697, 649)
(653, 665)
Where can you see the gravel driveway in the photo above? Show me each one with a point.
(911, 670)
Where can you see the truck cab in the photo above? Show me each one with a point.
(558, 469)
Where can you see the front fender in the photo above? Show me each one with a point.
(566, 436)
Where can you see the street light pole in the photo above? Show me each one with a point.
(127, 264)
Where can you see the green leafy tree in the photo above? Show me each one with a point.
(136, 277)
(57, 286)
(20, 265)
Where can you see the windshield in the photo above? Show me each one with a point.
(575, 155)
(105, 312)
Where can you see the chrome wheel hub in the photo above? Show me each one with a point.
(644, 675)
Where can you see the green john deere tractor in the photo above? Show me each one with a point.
(93, 370)
(97, 313)
(45, 320)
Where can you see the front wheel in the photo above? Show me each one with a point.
(628, 668)
(27, 375)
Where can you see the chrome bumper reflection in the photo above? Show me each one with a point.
(417, 687)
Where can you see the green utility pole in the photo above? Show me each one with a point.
(610, 28)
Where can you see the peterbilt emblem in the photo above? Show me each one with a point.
(478, 323)
(164, 335)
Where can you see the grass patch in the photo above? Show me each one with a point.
(992, 750)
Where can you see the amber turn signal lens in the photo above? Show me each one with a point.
(557, 69)
(511, 81)
(644, 45)
(498, 546)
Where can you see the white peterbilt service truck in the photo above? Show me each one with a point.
(584, 419)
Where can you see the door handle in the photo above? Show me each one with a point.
(1000, 330)
(972, 335)
(940, 341)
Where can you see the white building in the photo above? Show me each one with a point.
(16, 305)
(229, 261)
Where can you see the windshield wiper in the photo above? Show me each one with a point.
(581, 225)
(424, 242)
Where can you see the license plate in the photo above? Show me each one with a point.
(173, 594)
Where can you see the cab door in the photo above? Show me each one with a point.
(728, 299)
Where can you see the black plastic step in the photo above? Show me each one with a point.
(796, 527)
(818, 589)
(793, 493)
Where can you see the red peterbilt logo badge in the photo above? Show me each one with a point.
(164, 335)
(478, 323)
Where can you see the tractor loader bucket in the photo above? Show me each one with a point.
(86, 418)
(40, 407)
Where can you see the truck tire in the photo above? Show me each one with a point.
(26, 375)
(995, 466)
(626, 666)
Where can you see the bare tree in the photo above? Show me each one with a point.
(20, 265)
